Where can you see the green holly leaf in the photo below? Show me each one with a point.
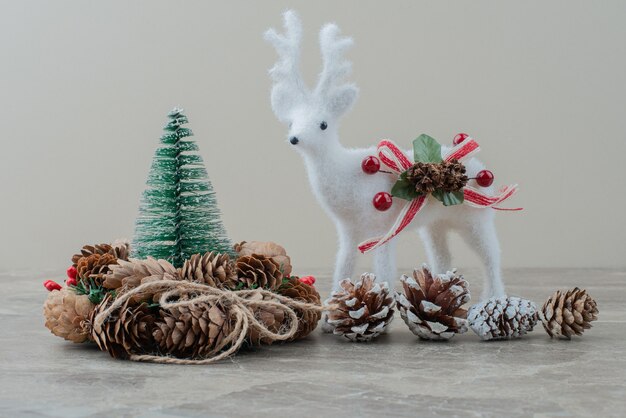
(449, 198)
(404, 189)
(426, 149)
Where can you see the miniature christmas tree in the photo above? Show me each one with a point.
(178, 214)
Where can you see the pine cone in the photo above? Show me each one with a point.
(308, 319)
(66, 314)
(127, 275)
(268, 249)
(274, 319)
(431, 306)
(94, 268)
(425, 176)
(258, 271)
(127, 331)
(453, 176)
(502, 318)
(214, 269)
(119, 249)
(365, 308)
(568, 313)
(192, 331)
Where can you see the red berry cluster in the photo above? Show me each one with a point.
(383, 200)
(70, 281)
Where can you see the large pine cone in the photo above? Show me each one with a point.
(502, 318)
(193, 331)
(93, 268)
(258, 271)
(213, 269)
(66, 314)
(568, 313)
(268, 249)
(130, 274)
(431, 306)
(119, 249)
(364, 309)
(308, 319)
(126, 331)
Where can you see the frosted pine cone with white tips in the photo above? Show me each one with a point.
(502, 318)
(363, 309)
(431, 304)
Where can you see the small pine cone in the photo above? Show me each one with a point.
(258, 271)
(193, 331)
(119, 249)
(94, 267)
(213, 269)
(425, 176)
(126, 331)
(66, 314)
(268, 249)
(308, 319)
(364, 309)
(502, 318)
(431, 306)
(568, 313)
(453, 176)
(127, 275)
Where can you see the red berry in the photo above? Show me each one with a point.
(484, 178)
(71, 282)
(370, 165)
(71, 272)
(459, 138)
(310, 280)
(382, 201)
(51, 285)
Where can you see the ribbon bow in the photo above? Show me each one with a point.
(397, 162)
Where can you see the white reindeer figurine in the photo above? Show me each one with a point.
(335, 174)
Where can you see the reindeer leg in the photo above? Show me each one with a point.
(435, 239)
(482, 237)
(344, 264)
(385, 263)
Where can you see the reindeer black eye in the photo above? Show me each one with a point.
(323, 126)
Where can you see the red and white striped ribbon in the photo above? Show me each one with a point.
(396, 161)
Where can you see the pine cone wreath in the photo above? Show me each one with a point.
(213, 269)
(568, 313)
(193, 331)
(93, 268)
(364, 309)
(126, 331)
(502, 318)
(269, 249)
(66, 314)
(127, 275)
(293, 288)
(258, 271)
(431, 305)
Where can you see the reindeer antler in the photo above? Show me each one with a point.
(288, 83)
(335, 67)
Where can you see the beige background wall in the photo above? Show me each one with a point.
(85, 87)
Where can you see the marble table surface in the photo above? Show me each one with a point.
(325, 375)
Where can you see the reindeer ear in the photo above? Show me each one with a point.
(341, 99)
(284, 100)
